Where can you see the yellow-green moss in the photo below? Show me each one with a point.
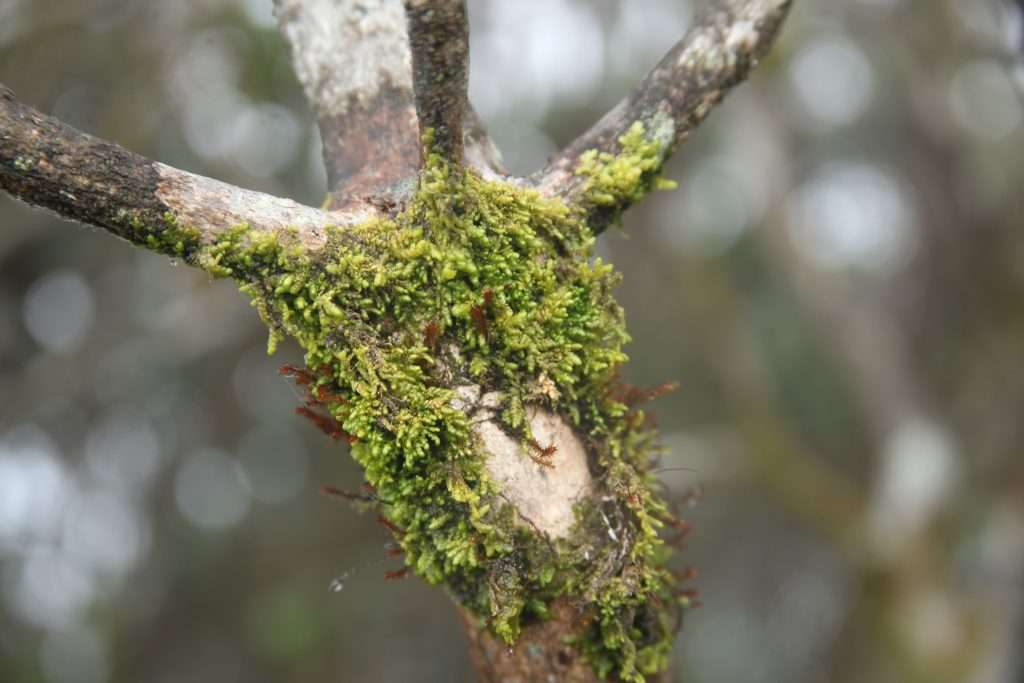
(619, 180)
(164, 237)
(485, 283)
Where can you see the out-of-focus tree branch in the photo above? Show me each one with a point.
(805, 484)
(717, 53)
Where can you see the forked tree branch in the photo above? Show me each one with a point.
(717, 53)
(439, 41)
(352, 59)
(354, 62)
(375, 86)
(49, 164)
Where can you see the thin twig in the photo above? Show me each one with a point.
(439, 41)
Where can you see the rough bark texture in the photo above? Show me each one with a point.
(49, 164)
(716, 54)
(439, 39)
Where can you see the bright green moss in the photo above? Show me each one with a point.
(618, 180)
(478, 283)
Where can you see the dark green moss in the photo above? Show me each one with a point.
(478, 283)
(165, 237)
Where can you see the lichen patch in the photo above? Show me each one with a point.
(543, 492)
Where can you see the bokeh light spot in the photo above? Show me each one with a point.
(210, 491)
(59, 310)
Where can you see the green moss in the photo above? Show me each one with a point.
(165, 237)
(483, 283)
(619, 180)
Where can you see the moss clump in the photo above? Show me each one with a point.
(165, 237)
(478, 283)
(617, 180)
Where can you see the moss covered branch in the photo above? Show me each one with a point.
(468, 349)
(49, 164)
(467, 342)
(716, 54)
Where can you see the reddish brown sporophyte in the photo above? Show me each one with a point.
(542, 454)
(396, 574)
(630, 395)
(335, 492)
(479, 313)
(350, 496)
(298, 375)
(318, 391)
(328, 425)
(431, 333)
(390, 526)
(682, 530)
(324, 395)
(479, 316)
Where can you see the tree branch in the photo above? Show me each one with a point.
(479, 149)
(717, 53)
(49, 164)
(439, 40)
(353, 60)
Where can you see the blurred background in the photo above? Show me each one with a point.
(837, 284)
